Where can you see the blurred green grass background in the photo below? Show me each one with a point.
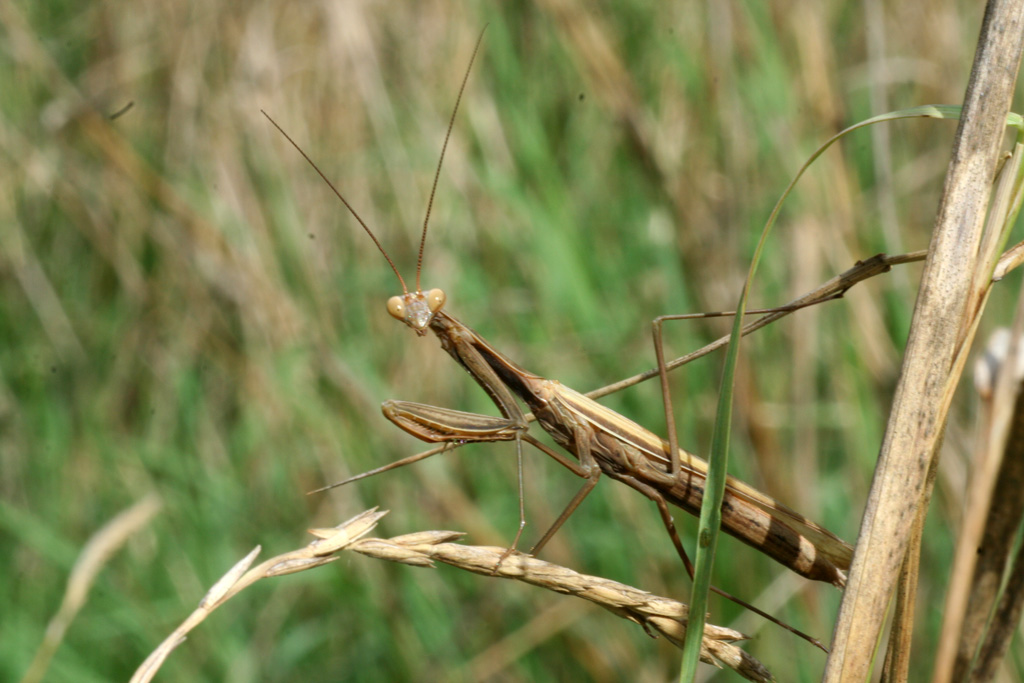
(187, 310)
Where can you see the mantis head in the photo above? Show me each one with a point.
(417, 309)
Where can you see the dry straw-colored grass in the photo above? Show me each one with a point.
(656, 615)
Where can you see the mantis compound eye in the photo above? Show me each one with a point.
(435, 299)
(396, 307)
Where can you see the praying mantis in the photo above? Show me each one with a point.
(602, 441)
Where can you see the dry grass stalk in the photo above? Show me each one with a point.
(100, 547)
(422, 549)
(942, 324)
(983, 643)
(655, 614)
(239, 577)
(969, 642)
(1005, 622)
(1001, 214)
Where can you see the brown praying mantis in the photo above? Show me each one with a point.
(602, 441)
